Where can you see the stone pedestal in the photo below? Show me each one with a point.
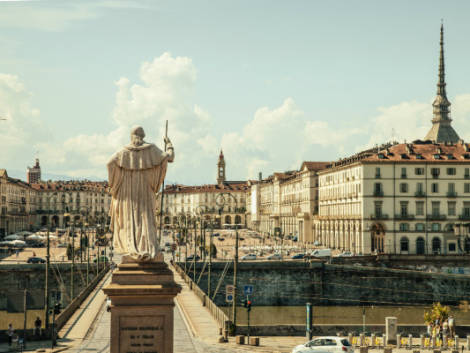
(391, 330)
(142, 308)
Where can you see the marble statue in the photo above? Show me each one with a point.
(135, 174)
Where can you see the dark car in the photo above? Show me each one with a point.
(297, 256)
(36, 260)
(191, 258)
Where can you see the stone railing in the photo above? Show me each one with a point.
(217, 313)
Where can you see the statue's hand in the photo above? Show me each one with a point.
(167, 141)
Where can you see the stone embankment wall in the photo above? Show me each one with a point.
(296, 283)
(15, 278)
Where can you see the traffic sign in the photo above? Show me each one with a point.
(248, 289)
(229, 298)
(229, 289)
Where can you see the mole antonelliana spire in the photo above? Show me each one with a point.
(441, 130)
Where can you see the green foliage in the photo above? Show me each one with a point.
(437, 312)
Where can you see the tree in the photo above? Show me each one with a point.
(438, 313)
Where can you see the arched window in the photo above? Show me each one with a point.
(436, 245)
(420, 246)
(238, 219)
(404, 244)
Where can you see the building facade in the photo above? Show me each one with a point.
(221, 204)
(285, 203)
(33, 175)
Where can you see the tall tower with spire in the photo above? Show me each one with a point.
(441, 130)
(33, 175)
(221, 168)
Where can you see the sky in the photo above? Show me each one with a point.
(272, 83)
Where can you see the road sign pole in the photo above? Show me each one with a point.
(309, 321)
(248, 320)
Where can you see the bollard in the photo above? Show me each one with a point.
(398, 341)
(254, 341)
(421, 341)
(372, 340)
(361, 340)
(240, 339)
(456, 343)
(410, 341)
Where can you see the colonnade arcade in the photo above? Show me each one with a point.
(340, 234)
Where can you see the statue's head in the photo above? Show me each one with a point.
(137, 136)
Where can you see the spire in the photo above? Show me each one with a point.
(441, 130)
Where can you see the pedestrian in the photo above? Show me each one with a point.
(37, 327)
(10, 333)
(451, 323)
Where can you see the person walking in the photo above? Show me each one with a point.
(37, 327)
(451, 323)
(10, 333)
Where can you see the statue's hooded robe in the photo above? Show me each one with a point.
(135, 175)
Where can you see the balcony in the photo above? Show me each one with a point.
(464, 217)
(379, 216)
(378, 193)
(436, 217)
(420, 194)
(451, 194)
(404, 216)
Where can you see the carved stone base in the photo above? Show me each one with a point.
(142, 308)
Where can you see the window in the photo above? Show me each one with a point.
(451, 188)
(404, 244)
(452, 247)
(436, 208)
(378, 188)
(436, 246)
(466, 209)
(419, 208)
(403, 187)
(451, 208)
(435, 187)
(435, 172)
(451, 171)
(435, 227)
(467, 173)
(403, 172)
(466, 187)
(404, 227)
(404, 208)
(419, 227)
(378, 208)
(377, 172)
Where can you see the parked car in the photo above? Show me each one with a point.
(249, 257)
(274, 256)
(321, 253)
(191, 258)
(36, 260)
(221, 239)
(297, 256)
(345, 254)
(215, 234)
(316, 243)
(330, 344)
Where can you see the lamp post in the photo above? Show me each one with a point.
(220, 201)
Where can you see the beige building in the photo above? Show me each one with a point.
(189, 201)
(17, 209)
(285, 203)
(60, 203)
(400, 198)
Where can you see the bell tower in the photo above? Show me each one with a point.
(221, 168)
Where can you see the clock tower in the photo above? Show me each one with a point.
(221, 169)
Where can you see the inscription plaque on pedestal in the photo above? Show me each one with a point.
(141, 334)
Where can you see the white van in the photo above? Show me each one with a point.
(321, 253)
